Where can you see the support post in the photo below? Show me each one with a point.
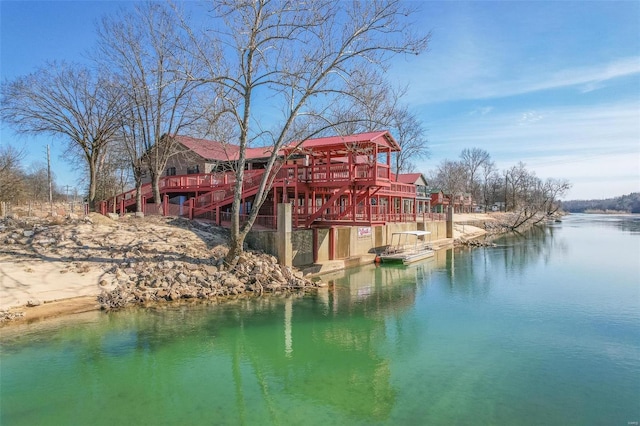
(450, 222)
(284, 229)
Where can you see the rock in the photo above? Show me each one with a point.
(210, 269)
(10, 316)
(33, 302)
(28, 233)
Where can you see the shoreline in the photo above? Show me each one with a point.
(44, 283)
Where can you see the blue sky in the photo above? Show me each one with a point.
(555, 85)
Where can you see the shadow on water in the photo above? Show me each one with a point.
(323, 346)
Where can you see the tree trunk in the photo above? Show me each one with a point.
(157, 198)
(236, 243)
(93, 173)
(139, 208)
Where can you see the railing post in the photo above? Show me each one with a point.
(165, 205)
(191, 205)
(122, 207)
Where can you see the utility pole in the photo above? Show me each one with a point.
(506, 185)
(49, 178)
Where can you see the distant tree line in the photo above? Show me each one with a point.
(626, 203)
(515, 189)
(19, 184)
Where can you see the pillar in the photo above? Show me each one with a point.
(284, 229)
(450, 222)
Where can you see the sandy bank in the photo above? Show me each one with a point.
(50, 269)
(43, 261)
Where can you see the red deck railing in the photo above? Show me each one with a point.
(217, 191)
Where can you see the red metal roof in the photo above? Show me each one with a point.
(213, 150)
(221, 151)
(381, 138)
(409, 177)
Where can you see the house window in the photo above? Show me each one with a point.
(171, 171)
(193, 170)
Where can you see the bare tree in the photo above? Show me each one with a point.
(11, 173)
(518, 184)
(473, 159)
(37, 182)
(450, 176)
(553, 189)
(371, 106)
(67, 101)
(530, 197)
(115, 174)
(296, 57)
(376, 105)
(144, 48)
(410, 134)
(491, 184)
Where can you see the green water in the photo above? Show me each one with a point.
(543, 329)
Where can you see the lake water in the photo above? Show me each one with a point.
(543, 329)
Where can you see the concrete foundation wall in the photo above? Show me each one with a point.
(350, 241)
(362, 240)
(438, 229)
(263, 240)
(323, 245)
(302, 241)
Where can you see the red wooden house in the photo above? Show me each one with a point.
(439, 202)
(339, 180)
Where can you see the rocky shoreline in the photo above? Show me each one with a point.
(144, 283)
(141, 261)
(498, 224)
(130, 261)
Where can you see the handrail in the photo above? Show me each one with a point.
(226, 192)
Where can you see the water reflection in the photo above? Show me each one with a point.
(365, 351)
(472, 271)
(623, 222)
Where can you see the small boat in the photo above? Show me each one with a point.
(407, 247)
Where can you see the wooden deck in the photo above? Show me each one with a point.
(322, 195)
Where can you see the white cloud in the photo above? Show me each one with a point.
(588, 145)
(468, 77)
(482, 110)
(529, 117)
